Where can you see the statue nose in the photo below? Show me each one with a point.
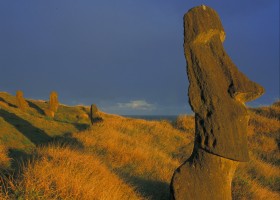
(243, 89)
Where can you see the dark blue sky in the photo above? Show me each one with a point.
(126, 56)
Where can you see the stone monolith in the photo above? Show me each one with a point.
(53, 103)
(217, 93)
(94, 116)
(20, 101)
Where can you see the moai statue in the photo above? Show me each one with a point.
(94, 116)
(217, 93)
(20, 101)
(53, 105)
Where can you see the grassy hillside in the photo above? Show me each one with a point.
(24, 130)
(117, 158)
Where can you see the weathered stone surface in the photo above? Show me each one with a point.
(217, 90)
(203, 176)
(217, 93)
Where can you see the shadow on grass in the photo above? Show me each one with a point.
(154, 190)
(96, 120)
(37, 136)
(67, 140)
(34, 134)
(81, 127)
(9, 104)
(33, 105)
(151, 189)
(19, 158)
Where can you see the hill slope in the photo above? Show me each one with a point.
(118, 158)
(24, 130)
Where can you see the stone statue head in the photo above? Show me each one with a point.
(218, 90)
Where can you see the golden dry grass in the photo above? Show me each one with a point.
(25, 129)
(66, 173)
(260, 178)
(245, 187)
(185, 123)
(123, 158)
(4, 159)
(141, 152)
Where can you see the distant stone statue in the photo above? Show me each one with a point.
(20, 101)
(217, 93)
(53, 105)
(94, 116)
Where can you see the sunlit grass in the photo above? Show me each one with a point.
(67, 173)
(4, 159)
(123, 158)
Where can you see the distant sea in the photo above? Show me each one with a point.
(154, 117)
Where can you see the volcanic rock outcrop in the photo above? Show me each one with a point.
(217, 93)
